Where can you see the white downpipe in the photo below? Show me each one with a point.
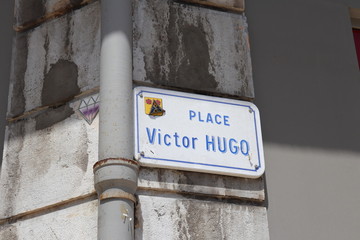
(115, 173)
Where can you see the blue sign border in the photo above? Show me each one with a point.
(196, 163)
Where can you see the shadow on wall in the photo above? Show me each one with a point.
(307, 81)
(6, 17)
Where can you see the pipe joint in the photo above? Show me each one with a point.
(116, 175)
(114, 161)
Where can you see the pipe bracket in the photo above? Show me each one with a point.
(117, 195)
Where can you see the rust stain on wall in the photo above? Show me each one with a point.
(27, 18)
(28, 10)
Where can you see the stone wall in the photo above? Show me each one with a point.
(46, 174)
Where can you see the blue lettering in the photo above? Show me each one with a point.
(223, 150)
(200, 120)
(166, 136)
(176, 136)
(226, 121)
(208, 143)
(216, 119)
(186, 141)
(192, 114)
(233, 149)
(244, 144)
(170, 140)
(209, 118)
(159, 137)
(193, 142)
(151, 136)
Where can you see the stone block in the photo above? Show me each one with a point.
(181, 218)
(201, 184)
(55, 61)
(190, 47)
(174, 45)
(78, 221)
(47, 159)
(30, 13)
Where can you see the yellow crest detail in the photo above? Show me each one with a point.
(154, 106)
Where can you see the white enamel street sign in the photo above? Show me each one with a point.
(198, 133)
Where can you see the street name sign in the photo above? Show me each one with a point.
(198, 133)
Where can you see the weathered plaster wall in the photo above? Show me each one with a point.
(55, 61)
(50, 150)
(190, 47)
(31, 13)
(75, 221)
(198, 219)
(43, 167)
(47, 176)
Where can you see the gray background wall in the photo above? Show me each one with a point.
(6, 17)
(307, 86)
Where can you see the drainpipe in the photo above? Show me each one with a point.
(115, 174)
